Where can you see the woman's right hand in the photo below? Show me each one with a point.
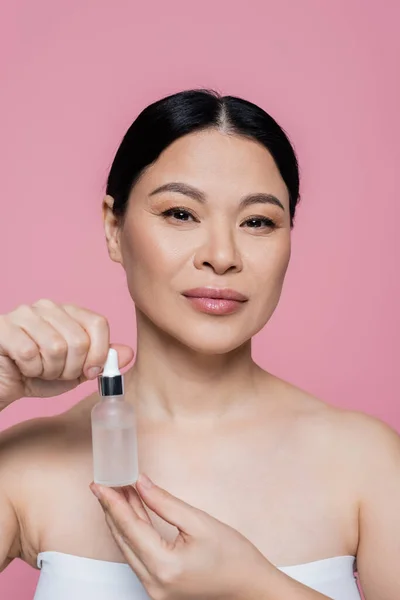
(47, 349)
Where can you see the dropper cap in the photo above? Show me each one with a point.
(111, 381)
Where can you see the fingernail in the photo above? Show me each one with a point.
(94, 372)
(145, 481)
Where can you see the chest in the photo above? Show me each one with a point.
(292, 504)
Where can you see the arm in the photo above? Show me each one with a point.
(276, 585)
(9, 532)
(9, 526)
(19, 445)
(378, 557)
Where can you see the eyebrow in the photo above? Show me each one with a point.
(192, 192)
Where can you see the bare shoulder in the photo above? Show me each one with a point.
(370, 434)
(33, 448)
(359, 437)
(26, 440)
(35, 436)
(42, 461)
(372, 446)
(24, 455)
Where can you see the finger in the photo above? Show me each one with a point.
(77, 339)
(97, 328)
(125, 354)
(52, 347)
(186, 518)
(134, 562)
(98, 331)
(142, 538)
(21, 348)
(133, 499)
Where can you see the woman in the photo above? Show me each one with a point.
(268, 492)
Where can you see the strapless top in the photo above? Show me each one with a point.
(70, 577)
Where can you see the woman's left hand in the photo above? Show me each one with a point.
(207, 559)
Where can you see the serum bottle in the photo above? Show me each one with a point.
(114, 441)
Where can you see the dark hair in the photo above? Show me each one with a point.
(170, 118)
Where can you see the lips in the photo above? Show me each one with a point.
(216, 294)
(215, 301)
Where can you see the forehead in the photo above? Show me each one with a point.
(219, 163)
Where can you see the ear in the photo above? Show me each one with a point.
(112, 229)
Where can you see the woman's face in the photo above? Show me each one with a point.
(205, 234)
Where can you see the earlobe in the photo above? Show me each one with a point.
(111, 230)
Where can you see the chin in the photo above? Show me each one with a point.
(205, 334)
(212, 338)
(212, 347)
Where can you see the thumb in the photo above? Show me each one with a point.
(185, 517)
(125, 354)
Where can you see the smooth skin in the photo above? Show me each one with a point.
(300, 479)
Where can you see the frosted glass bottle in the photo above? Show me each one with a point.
(114, 440)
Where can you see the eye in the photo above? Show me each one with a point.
(259, 223)
(178, 214)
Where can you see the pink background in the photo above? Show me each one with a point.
(74, 74)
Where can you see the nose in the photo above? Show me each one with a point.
(219, 253)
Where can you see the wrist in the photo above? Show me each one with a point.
(257, 582)
(266, 582)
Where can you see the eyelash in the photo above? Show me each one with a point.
(171, 211)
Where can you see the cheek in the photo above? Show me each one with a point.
(151, 255)
(270, 265)
(270, 277)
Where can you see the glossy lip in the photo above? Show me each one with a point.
(215, 294)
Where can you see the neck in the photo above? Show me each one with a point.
(171, 382)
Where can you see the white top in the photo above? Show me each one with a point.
(69, 577)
